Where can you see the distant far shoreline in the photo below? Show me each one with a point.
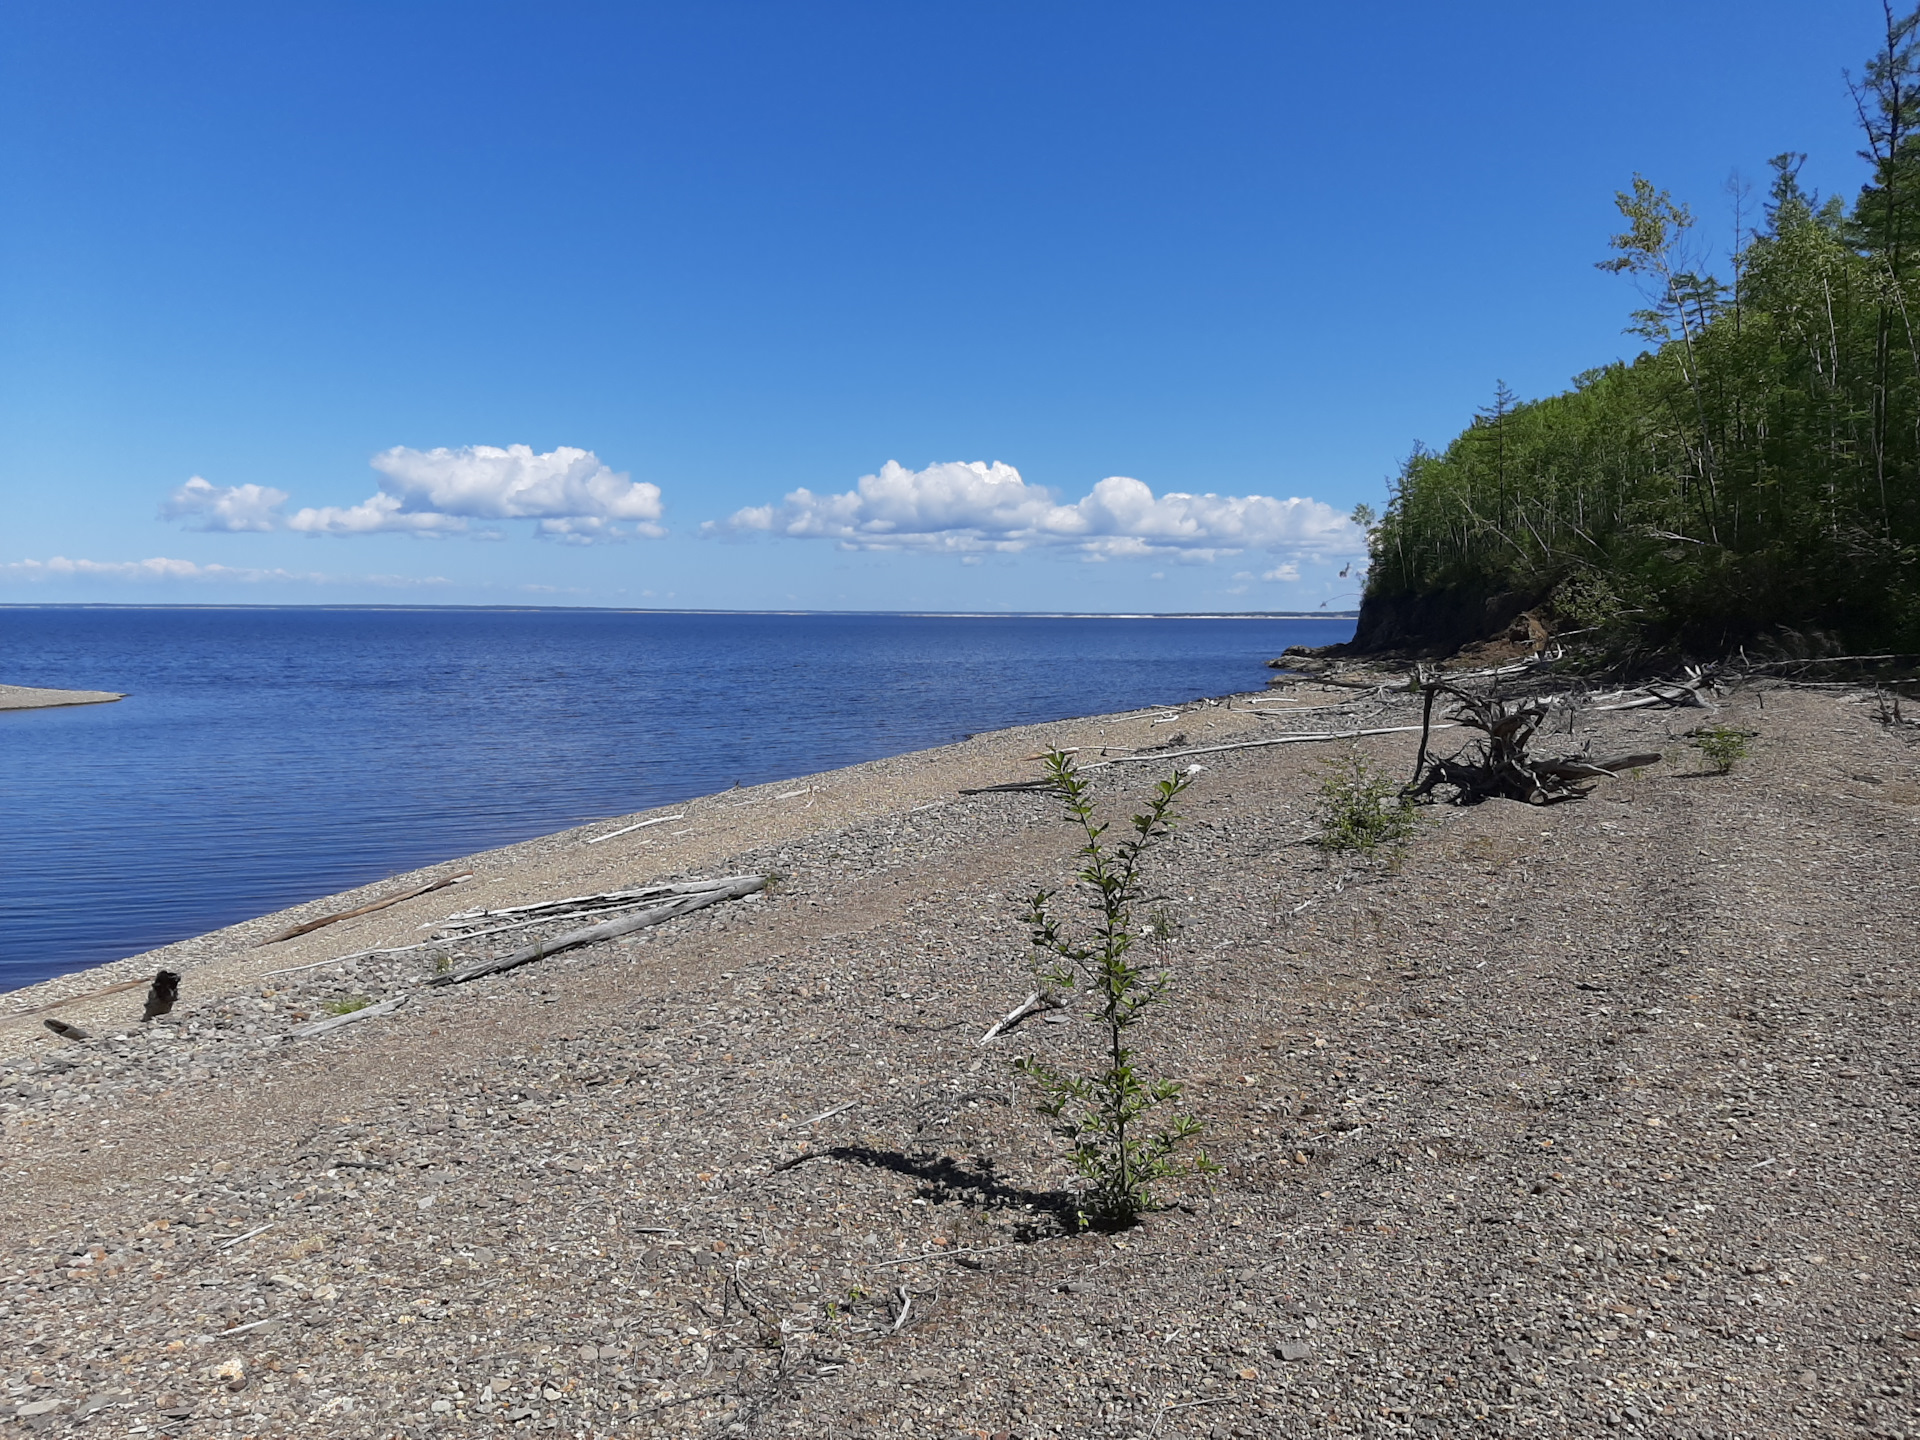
(657, 610)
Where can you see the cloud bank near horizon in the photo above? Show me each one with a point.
(973, 507)
(165, 569)
(574, 495)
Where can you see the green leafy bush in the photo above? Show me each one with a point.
(1361, 811)
(1722, 745)
(1118, 1152)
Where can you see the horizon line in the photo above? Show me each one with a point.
(653, 610)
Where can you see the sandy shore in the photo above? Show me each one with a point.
(1589, 1117)
(714, 828)
(29, 697)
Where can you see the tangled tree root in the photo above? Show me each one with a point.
(1499, 766)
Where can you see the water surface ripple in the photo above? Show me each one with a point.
(266, 756)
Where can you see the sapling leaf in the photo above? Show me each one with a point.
(1102, 1114)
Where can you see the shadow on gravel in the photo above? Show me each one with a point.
(944, 1178)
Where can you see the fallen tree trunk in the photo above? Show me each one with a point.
(684, 905)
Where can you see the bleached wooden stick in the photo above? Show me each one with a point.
(257, 1230)
(827, 1114)
(334, 1022)
(629, 829)
(1036, 1001)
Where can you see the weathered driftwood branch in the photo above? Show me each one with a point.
(1675, 696)
(608, 930)
(430, 886)
(653, 897)
(458, 938)
(629, 829)
(827, 1114)
(76, 999)
(1038, 1000)
(1426, 726)
(1889, 714)
(1821, 660)
(1582, 769)
(334, 1022)
(1307, 709)
(1166, 755)
(599, 900)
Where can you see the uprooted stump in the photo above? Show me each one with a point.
(1499, 766)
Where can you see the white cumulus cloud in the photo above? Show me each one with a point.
(164, 569)
(574, 495)
(969, 507)
(489, 483)
(371, 516)
(224, 507)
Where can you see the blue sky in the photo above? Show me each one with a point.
(1108, 286)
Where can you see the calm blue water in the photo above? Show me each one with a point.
(266, 756)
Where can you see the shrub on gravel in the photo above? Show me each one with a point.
(1722, 745)
(1119, 1153)
(1361, 811)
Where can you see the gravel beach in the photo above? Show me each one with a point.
(35, 697)
(1595, 1118)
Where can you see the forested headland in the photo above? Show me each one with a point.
(1752, 478)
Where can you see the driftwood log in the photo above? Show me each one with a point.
(1674, 694)
(124, 985)
(352, 1017)
(600, 900)
(428, 888)
(684, 904)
